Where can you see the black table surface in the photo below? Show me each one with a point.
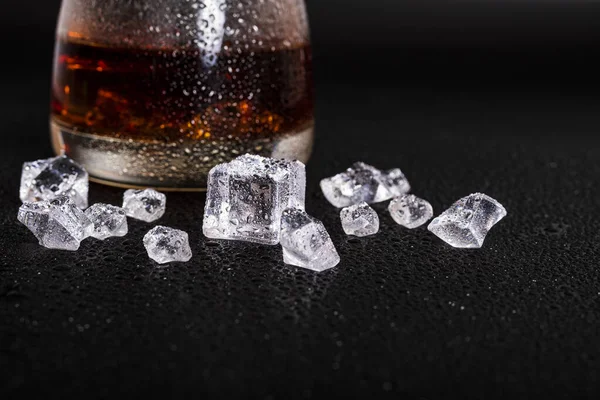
(403, 315)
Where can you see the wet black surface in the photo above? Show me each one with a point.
(402, 314)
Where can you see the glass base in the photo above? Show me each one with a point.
(180, 166)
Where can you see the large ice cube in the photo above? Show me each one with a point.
(364, 183)
(165, 245)
(468, 221)
(57, 224)
(246, 197)
(54, 177)
(305, 242)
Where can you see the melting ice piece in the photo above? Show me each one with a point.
(363, 183)
(108, 221)
(467, 222)
(165, 245)
(57, 224)
(305, 242)
(246, 197)
(147, 205)
(410, 211)
(54, 177)
(359, 220)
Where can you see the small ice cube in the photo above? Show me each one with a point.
(359, 220)
(54, 177)
(246, 197)
(147, 205)
(108, 221)
(410, 211)
(30, 171)
(165, 245)
(363, 183)
(57, 224)
(396, 182)
(468, 221)
(305, 242)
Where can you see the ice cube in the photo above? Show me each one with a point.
(147, 205)
(30, 171)
(54, 177)
(108, 221)
(396, 182)
(165, 245)
(359, 220)
(363, 183)
(410, 211)
(468, 221)
(305, 242)
(246, 197)
(57, 224)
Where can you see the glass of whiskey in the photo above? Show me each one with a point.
(157, 92)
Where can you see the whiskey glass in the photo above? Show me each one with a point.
(157, 92)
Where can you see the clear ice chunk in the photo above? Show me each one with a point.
(246, 197)
(108, 221)
(410, 211)
(30, 171)
(146, 205)
(165, 245)
(468, 221)
(57, 224)
(363, 183)
(396, 182)
(50, 178)
(359, 220)
(305, 242)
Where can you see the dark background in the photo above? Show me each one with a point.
(359, 41)
(500, 97)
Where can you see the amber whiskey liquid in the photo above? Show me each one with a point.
(164, 117)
